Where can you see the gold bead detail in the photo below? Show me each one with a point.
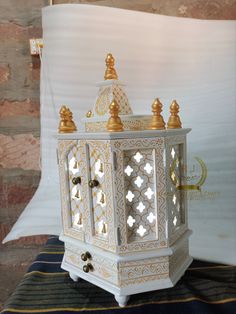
(66, 124)
(89, 114)
(157, 122)
(114, 123)
(110, 73)
(174, 121)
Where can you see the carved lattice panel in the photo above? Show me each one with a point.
(107, 94)
(97, 166)
(75, 169)
(176, 203)
(140, 194)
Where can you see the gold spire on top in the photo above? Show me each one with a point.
(66, 124)
(157, 122)
(174, 121)
(110, 73)
(114, 123)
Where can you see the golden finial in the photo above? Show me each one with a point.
(104, 228)
(114, 123)
(157, 121)
(174, 119)
(89, 114)
(66, 124)
(110, 73)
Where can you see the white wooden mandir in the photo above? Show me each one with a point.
(125, 224)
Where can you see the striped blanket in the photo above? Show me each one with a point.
(46, 288)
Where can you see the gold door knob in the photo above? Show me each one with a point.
(87, 268)
(93, 183)
(85, 256)
(76, 180)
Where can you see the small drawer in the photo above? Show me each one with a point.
(95, 265)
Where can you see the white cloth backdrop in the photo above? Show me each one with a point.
(190, 60)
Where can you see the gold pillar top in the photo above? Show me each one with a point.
(114, 123)
(66, 124)
(174, 107)
(157, 121)
(110, 73)
(174, 121)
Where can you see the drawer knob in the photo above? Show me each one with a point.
(87, 268)
(93, 183)
(76, 180)
(85, 256)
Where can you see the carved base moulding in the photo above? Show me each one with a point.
(121, 274)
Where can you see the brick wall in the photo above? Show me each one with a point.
(19, 109)
(19, 90)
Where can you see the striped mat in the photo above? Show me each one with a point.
(46, 288)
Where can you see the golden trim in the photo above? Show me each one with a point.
(189, 187)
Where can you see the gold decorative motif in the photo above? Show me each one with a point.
(66, 124)
(201, 181)
(110, 73)
(80, 222)
(101, 167)
(141, 271)
(104, 228)
(102, 199)
(114, 123)
(89, 114)
(157, 121)
(174, 119)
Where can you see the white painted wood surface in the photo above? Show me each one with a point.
(124, 259)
